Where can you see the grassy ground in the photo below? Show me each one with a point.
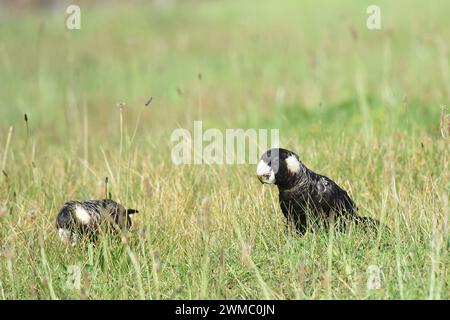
(360, 106)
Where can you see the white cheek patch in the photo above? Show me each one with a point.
(82, 215)
(293, 164)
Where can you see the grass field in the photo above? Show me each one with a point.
(364, 107)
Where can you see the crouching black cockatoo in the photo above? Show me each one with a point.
(84, 218)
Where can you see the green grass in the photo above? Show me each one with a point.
(364, 110)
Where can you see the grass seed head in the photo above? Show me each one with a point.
(246, 255)
(32, 214)
(3, 212)
(7, 251)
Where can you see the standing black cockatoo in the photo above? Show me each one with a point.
(307, 198)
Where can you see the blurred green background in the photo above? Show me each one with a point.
(307, 67)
